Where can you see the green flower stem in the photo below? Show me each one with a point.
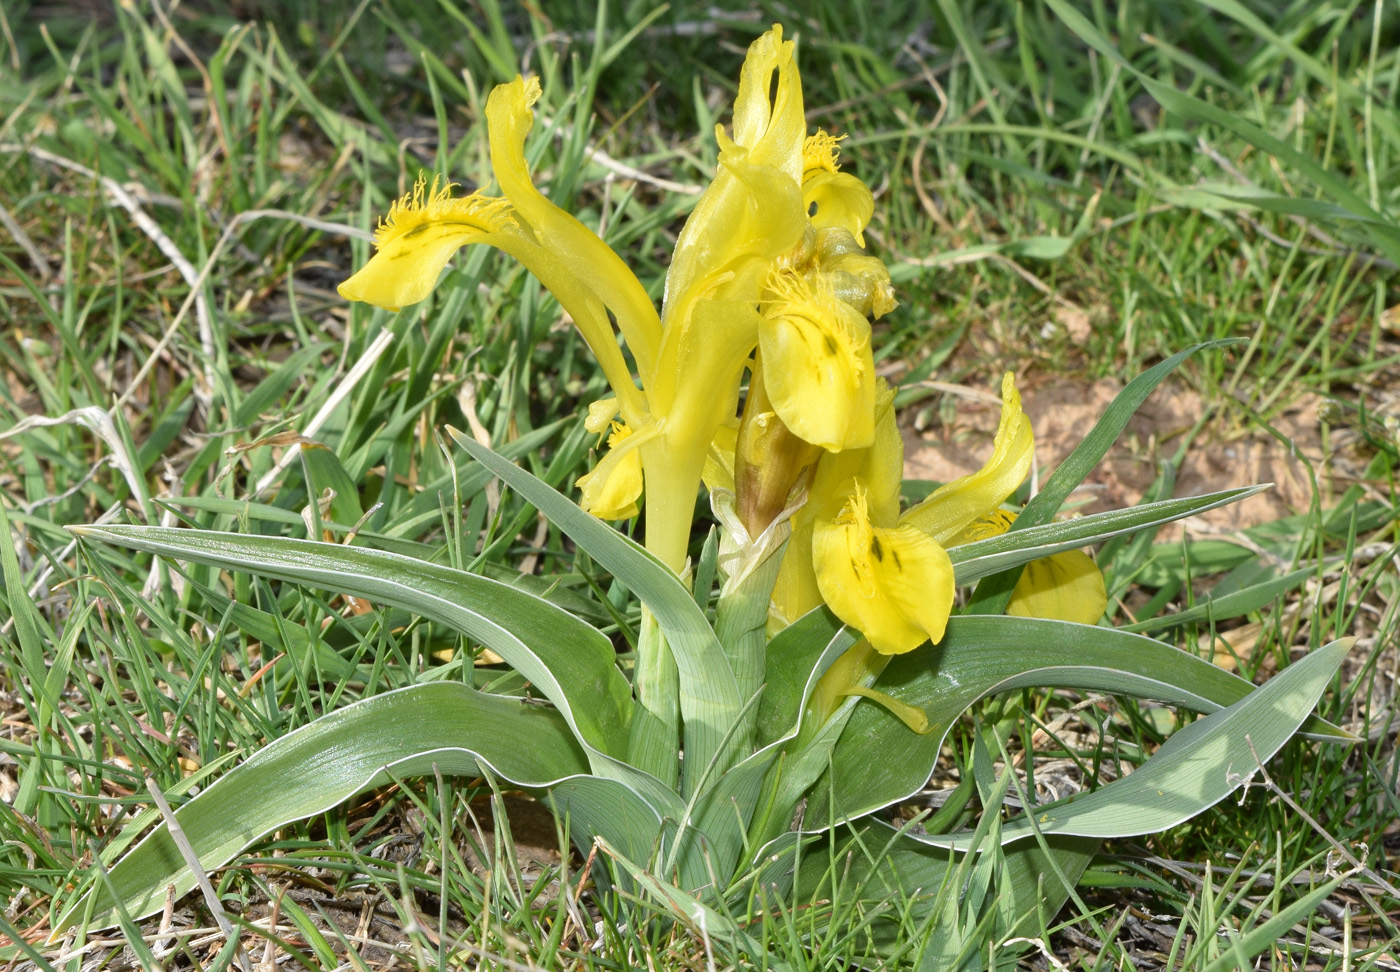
(654, 741)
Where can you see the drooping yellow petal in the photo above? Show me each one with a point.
(953, 506)
(415, 241)
(818, 368)
(425, 227)
(612, 488)
(1066, 586)
(509, 117)
(895, 585)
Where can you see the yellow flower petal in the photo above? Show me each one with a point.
(415, 241)
(1062, 587)
(612, 488)
(768, 116)
(818, 370)
(895, 585)
(953, 506)
(835, 199)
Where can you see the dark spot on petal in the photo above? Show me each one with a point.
(812, 209)
(876, 549)
(416, 231)
(830, 344)
(895, 554)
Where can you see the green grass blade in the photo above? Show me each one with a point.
(1250, 598)
(973, 561)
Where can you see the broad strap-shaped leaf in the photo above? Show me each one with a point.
(973, 561)
(401, 733)
(1200, 765)
(993, 593)
(709, 695)
(569, 661)
(878, 761)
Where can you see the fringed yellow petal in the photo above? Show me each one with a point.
(820, 153)
(894, 585)
(1065, 586)
(950, 508)
(818, 368)
(509, 117)
(612, 488)
(415, 241)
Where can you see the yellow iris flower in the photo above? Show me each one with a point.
(770, 261)
(901, 597)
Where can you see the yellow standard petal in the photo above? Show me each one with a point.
(612, 488)
(818, 369)
(954, 506)
(418, 237)
(895, 585)
(1065, 586)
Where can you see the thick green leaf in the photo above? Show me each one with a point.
(993, 593)
(709, 696)
(878, 761)
(595, 807)
(569, 661)
(402, 733)
(1200, 765)
(973, 561)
